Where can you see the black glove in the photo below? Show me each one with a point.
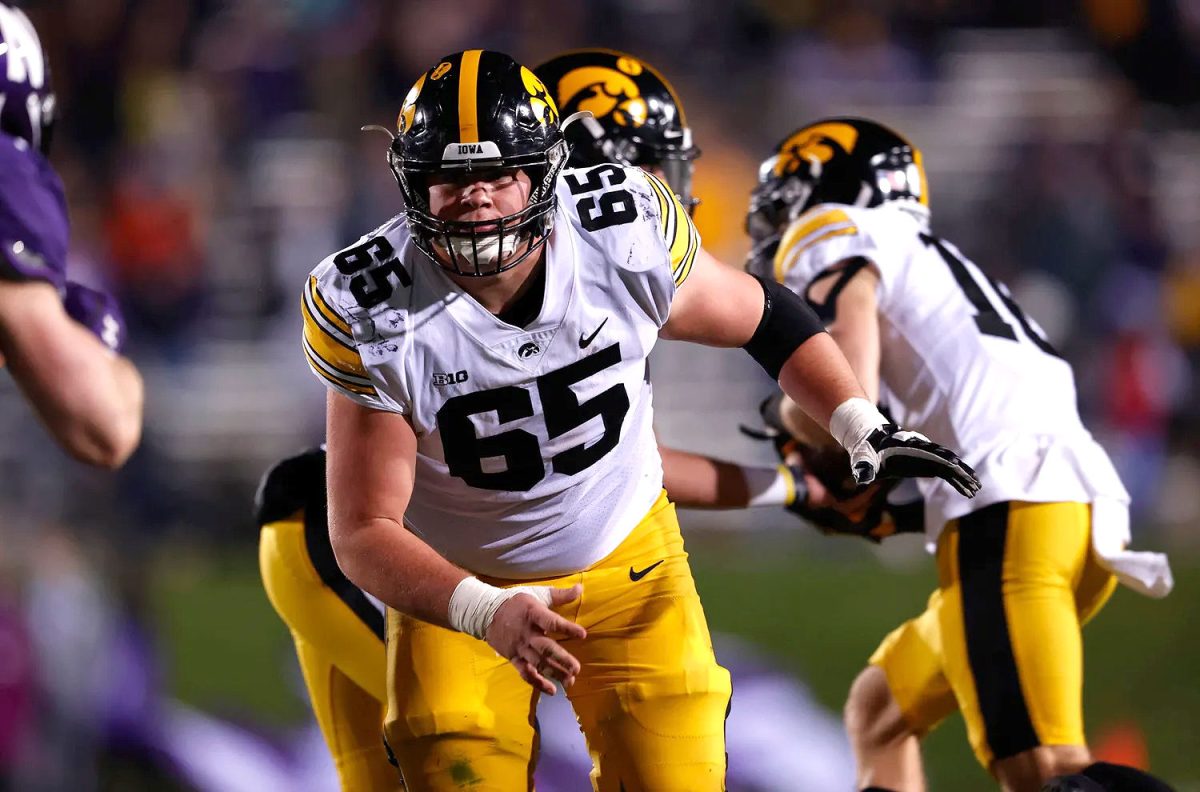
(892, 452)
(828, 520)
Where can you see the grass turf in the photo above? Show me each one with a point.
(227, 651)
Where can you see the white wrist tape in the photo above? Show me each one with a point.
(474, 603)
(853, 420)
(770, 487)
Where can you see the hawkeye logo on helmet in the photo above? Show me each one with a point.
(815, 145)
(484, 149)
(539, 98)
(605, 92)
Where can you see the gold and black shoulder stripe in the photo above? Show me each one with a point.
(807, 232)
(677, 229)
(329, 344)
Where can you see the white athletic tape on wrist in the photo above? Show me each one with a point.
(474, 603)
(853, 421)
(770, 487)
(851, 424)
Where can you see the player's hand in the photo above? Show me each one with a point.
(98, 312)
(892, 452)
(524, 630)
(857, 515)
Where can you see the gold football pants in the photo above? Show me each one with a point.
(339, 641)
(1000, 638)
(650, 697)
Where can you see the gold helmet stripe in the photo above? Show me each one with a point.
(468, 97)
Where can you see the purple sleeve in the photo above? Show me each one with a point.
(33, 217)
(97, 311)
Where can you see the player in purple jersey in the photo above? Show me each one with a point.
(60, 340)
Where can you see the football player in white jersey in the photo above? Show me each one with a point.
(840, 216)
(490, 452)
(338, 629)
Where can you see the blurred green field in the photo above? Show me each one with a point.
(227, 651)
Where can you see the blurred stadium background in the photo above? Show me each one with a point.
(211, 154)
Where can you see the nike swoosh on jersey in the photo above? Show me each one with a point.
(585, 341)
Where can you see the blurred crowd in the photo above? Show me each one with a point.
(212, 154)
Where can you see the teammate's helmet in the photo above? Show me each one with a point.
(636, 117)
(478, 110)
(26, 101)
(851, 161)
(1073, 783)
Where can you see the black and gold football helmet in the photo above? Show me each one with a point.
(636, 118)
(478, 110)
(851, 161)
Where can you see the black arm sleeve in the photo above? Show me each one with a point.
(787, 322)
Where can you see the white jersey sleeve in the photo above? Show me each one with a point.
(634, 219)
(339, 299)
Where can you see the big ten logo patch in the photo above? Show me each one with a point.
(442, 379)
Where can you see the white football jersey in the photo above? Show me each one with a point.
(536, 454)
(960, 362)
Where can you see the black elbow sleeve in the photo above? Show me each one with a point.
(787, 322)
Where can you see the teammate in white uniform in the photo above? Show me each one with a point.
(841, 217)
(489, 425)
